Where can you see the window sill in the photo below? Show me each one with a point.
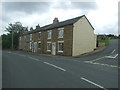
(60, 51)
(48, 50)
(60, 37)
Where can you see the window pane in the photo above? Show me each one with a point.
(61, 33)
(30, 45)
(60, 46)
(30, 36)
(39, 45)
(49, 35)
(39, 35)
(48, 46)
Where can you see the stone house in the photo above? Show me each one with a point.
(70, 38)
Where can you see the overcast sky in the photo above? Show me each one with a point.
(103, 14)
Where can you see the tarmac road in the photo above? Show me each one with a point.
(25, 70)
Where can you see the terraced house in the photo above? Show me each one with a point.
(70, 37)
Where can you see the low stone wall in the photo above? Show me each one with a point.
(100, 44)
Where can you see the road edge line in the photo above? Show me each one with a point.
(54, 66)
(93, 83)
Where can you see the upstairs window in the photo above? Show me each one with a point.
(30, 36)
(61, 34)
(39, 37)
(49, 34)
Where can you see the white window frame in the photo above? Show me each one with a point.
(39, 37)
(47, 47)
(59, 29)
(58, 45)
(30, 37)
(40, 43)
(51, 34)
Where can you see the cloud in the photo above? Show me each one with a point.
(20, 11)
(27, 7)
(74, 5)
(101, 14)
(84, 5)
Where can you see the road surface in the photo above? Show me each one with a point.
(25, 70)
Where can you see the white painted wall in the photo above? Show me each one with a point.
(84, 39)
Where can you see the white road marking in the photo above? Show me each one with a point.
(71, 60)
(113, 51)
(93, 83)
(97, 59)
(116, 55)
(113, 66)
(9, 52)
(54, 66)
(101, 58)
(112, 56)
(95, 63)
(87, 61)
(34, 58)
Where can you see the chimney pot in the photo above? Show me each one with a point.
(55, 20)
(38, 27)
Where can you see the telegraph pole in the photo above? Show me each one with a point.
(12, 39)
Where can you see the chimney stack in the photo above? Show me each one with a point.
(55, 20)
(31, 29)
(38, 27)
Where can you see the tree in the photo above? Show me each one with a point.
(11, 40)
(16, 27)
(6, 41)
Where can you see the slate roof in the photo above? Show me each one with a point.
(63, 23)
(57, 25)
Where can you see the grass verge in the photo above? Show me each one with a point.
(104, 41)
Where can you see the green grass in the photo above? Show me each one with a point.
(105, 41)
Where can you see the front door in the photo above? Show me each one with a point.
(35, 46)
(54, 48)
(32, 46)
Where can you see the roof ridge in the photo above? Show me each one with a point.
(64, 20)
(73, 18)
(59, 24)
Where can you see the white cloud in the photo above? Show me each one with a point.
(105, 18)
(103, 14)
(63, 14)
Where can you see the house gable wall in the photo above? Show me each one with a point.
(84, 39)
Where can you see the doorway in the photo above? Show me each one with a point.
(53, 48)
(35, 47)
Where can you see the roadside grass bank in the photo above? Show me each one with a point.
(106, 42)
